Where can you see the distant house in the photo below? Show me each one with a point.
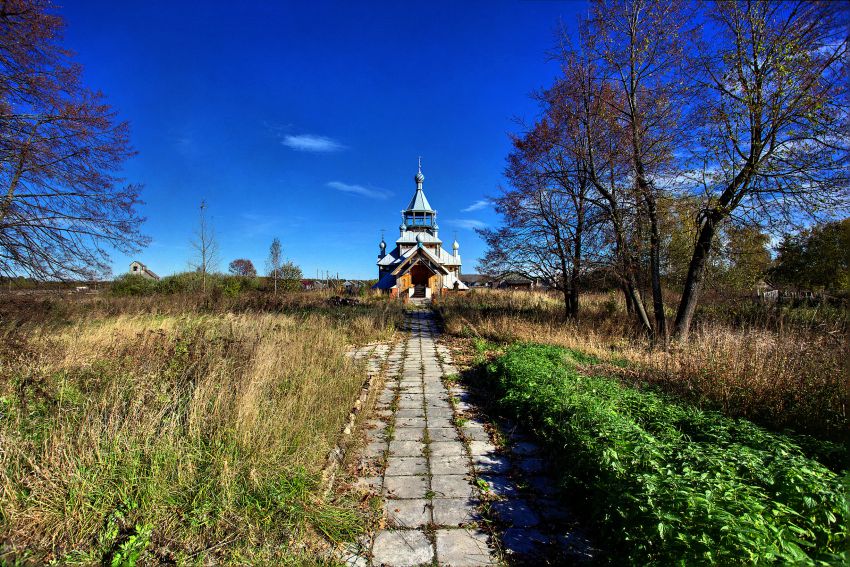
(514, 281)
(139, 269)
(476, 280)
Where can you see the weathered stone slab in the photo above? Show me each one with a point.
(405, 487)
(408, 433)
(412, 412)
(463, 548)
(451, 486)
(413, 513)
(457, 464)
(493, 464)
(498, 486)
(440, 422)
(442, 434)
(446, 449)
(401, 548)
(455, 512)
(482, 448)
(399, 448)
(527, 542)
(406, 466)
(515, 512)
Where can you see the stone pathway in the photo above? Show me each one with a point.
(442, 479)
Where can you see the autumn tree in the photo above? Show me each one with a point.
(242, 267)
(275, 262)
(818, 257)
(639, 44)
(205, 245)
(63, 204)
(586, 101)
(771, 118)
(548, 218)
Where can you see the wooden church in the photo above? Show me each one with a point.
(419, 267)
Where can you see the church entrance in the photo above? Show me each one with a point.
(419, 275)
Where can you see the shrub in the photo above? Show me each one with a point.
(131, 284)
(674, 483)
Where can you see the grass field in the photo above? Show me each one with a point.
(180, 428)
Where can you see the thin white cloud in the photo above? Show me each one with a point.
(358, 190)
(468, 224)
(476, 206)
(311, 143)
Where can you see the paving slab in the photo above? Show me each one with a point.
(528, 542)
(406, 466)
(456, 464)
(463, 548)
(455, 512)
(401, 548)
(408, 433)
(446, 449)
(400, 448)
(452, 486)
(442, 434)
(413, 513)
(405, 487)
(515, 512)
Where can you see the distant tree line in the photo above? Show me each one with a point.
(676, 138)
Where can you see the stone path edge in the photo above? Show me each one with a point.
(369, 389)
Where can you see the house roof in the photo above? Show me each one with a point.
(474, 278)
(145, 269)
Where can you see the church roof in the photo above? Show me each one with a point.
(431, 261)
(419, 202)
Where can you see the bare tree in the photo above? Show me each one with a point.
(62, 203)
(640, 43)
(548, 216)
(275, 262)
(205, 246)
(587, 102)
(772, 119)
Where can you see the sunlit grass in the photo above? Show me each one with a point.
(184, 436)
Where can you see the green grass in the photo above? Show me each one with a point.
(670, 483)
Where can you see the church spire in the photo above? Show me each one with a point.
(419, 177)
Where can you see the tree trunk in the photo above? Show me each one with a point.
(574, 301)
(693, 281)
(655, 273)
(640, 310)
(630, 306)
(568, 306)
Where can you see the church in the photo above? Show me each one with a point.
(419, 267)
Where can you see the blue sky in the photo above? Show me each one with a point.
(304, 120)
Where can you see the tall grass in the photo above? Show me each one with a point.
(174, 432)
(779, 374)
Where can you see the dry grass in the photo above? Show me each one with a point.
(782, 376)
(188, 434)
